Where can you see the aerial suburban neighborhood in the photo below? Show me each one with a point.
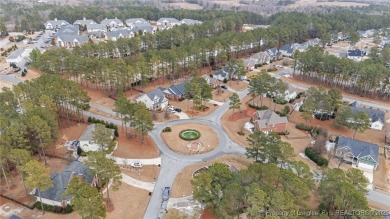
(182, 109)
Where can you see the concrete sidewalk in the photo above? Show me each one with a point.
(136, 183)
(124, 161)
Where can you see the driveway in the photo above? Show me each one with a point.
(136, 183)
(182, 115)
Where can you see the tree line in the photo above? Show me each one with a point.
(368, 78)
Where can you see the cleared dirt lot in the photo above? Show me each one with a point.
(208, 139)
(182, 184)
(223, 96)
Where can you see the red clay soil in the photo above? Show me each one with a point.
(207, 214)
(241, 115)
(132, 148)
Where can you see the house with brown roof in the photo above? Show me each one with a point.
(269, 121)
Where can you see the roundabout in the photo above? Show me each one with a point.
(199, 139)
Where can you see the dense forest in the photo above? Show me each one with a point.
(366, 78)
(183, 50)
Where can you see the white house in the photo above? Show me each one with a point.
(112, 22)
(360, 154)
(168, 22)
(84, 22)
(287, 50)
(377, 117)
(86, 142)
(16, 56)
(53, 196)
(70, 41)
(221, 74)
(55, 24)
(290, 93)
(96, 28)
(120, 33)
(132, 21)
(154, 100)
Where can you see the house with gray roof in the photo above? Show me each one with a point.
(221, 74)
(274, 53)
(119, 33)
(53, 196)
(86, 141)
(142, 29)
(110, 23)
(154, 100)
(70, 41)
(190, 21)
(268, 121)
(287, 50)
(55, 24)
(175, 91)
(168, 22)
(69, 29)
(84, 22)
(361, 154)
(16, 56)
(377, 116)
(132, 21)
(96, 28)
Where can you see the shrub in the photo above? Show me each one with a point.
(225, 80)
(89, 120)
(258, 65)
(241, 133)
(23, 73)
(167, 129)
(55, 209)
(320, 161)
(281, 102)
(11, 39)
(211, 75)
(116, 133)
(80, 152)
(68, 209)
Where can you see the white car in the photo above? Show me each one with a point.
(244, 78)
(136, 165)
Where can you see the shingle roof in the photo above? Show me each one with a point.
(136, 21)
(374, 114)
(117, 33)
(72, 38)
(14, 217)
(84, 21)
(269, 117)
(69, 29)
(172, 20)
(143, 27)
(108, 21)
(88, 133)
(157, 93)
(190, 21)
(16, 53)
(96, 27)
(355, 53)
(61, 180)
(288, 48)
(56, 22)
(177, 89)
(359, 148)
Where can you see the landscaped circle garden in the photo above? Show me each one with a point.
(189, 134)
(191, 138)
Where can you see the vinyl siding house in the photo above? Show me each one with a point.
(69, 29)
(70, 41)
(110, 23)
(132, 21)
(287, 50)
(377, 116)
(84, 22)
(53, 196)
(154, 100)
(120, 33)
(176, 91)
(268, 121)
(290, 93)
(55, 24)
(86, 142)
(221, 74)
(211, 81)
(190, 21)
(360, 154)
(96, 28)
(274, 53)
(16, 56)
(168, 22)
(142, 29)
